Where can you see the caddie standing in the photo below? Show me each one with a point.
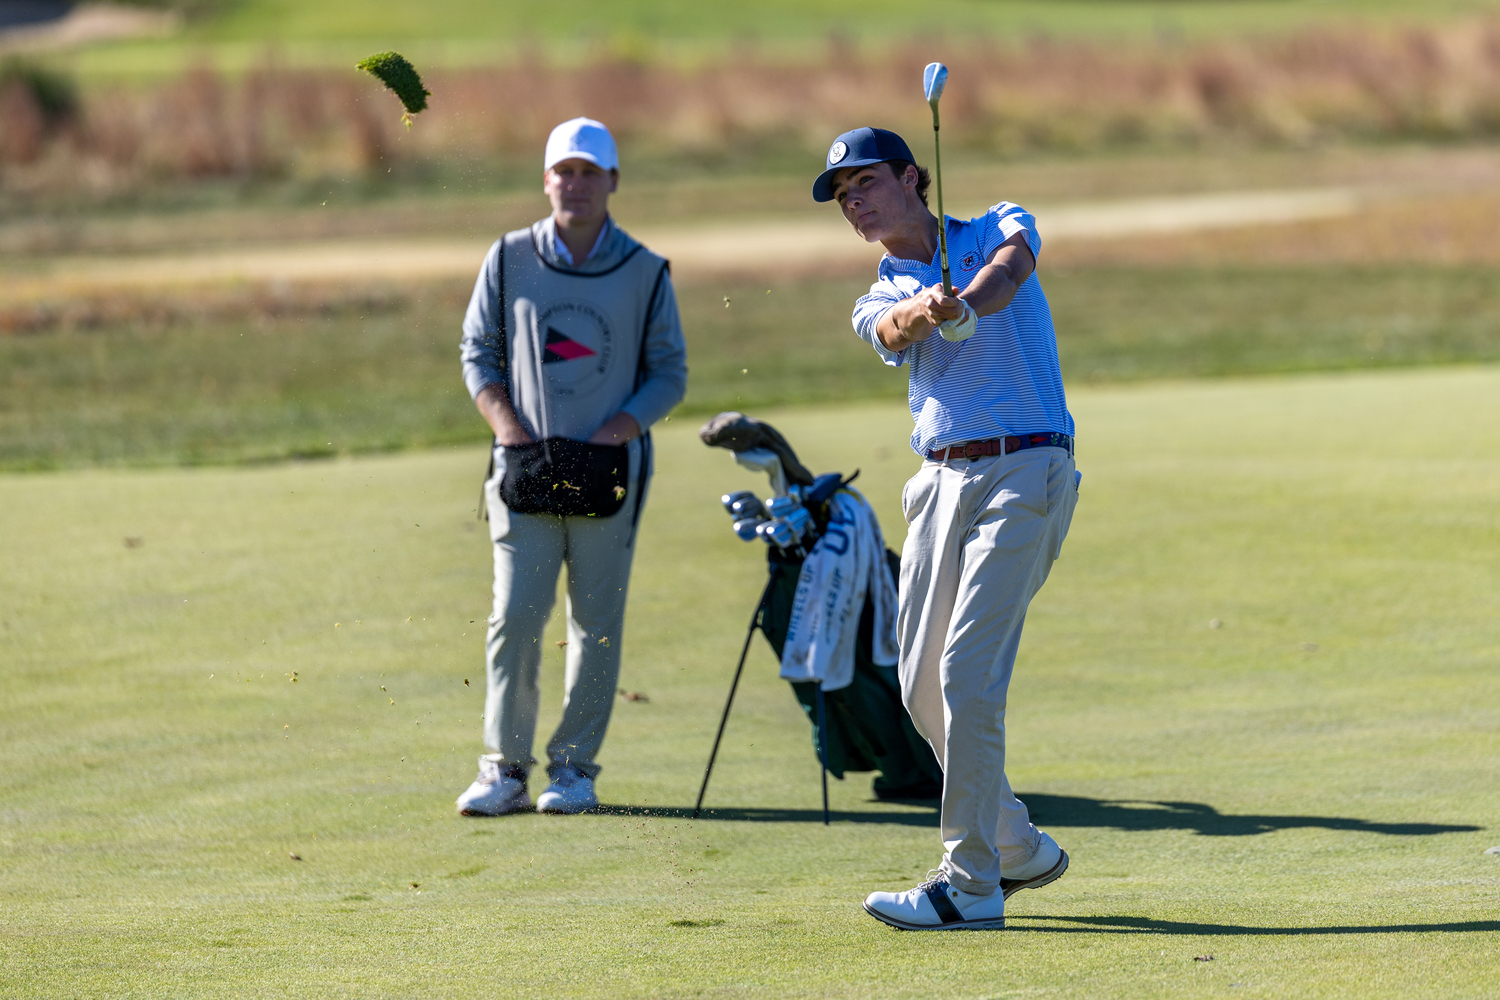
(572, 349)
(987, 512)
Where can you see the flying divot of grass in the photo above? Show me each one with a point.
(400, 76)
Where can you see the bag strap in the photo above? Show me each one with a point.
(640, 364)
(484, 507)
(640, 378)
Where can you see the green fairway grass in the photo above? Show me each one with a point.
(1304, 793)
(360, 380)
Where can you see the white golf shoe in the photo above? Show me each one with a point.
(934, 905)
(1046, 865)
(498, 790)
(571, 792)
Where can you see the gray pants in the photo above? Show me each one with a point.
(530, 549)
(983, 536)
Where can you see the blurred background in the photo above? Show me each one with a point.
(219, 244)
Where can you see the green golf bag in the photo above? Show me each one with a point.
(868, 727)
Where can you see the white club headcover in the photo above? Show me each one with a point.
(962, 328)
(764, 460)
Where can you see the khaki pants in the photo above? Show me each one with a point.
(530, 550)
(982, 537)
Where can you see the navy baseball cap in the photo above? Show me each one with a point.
(859, 148)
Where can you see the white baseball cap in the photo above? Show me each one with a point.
(582, 139)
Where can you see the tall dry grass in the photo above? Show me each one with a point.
(1007, 97)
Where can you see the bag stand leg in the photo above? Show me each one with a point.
(733, 686)
(823, 750)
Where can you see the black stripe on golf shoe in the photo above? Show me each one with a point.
(937, 895)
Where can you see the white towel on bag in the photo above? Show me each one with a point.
(845, 565)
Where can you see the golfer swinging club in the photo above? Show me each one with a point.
(572, 349)
(987, 511)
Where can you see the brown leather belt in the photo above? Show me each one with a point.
(1001, 446)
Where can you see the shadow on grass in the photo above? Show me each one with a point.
(924, 817)
(1145, 925)
(1205, 820)
(1071, 810)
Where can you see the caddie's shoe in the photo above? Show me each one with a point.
(571, 792)
(498, 790)
(937, 906)
(1046, 865)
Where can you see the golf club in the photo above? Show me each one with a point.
(743, 503)
(781, 506)
(934, 79)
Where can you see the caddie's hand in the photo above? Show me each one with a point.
(512, 435)
(616, 430)
(494, 406)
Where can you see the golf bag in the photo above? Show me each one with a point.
(860, 725)
(867, 727)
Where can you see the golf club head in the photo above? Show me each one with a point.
(800, 521)
(743, 503)
(777, 533)
(782, 506)
(745, 528)
(934, 79)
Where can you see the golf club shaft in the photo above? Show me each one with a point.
(937, 162)
(733, 686)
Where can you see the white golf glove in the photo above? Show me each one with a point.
(962, 328)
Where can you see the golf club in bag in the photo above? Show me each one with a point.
(863, 725)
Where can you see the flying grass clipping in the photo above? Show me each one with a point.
(400, 77)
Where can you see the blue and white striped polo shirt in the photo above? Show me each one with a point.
(1003, 380)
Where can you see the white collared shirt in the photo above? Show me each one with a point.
(566, 255)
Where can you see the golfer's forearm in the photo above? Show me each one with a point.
(997, 282)
(992, 289)
(494, 405)
(902, 325)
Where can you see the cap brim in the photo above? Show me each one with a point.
(823, 186)
(578, 154)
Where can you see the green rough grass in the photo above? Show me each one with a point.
(469, 31)
(1314, 819)
(784, 20)
(225, 392)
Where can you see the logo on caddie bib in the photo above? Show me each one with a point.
(561, 347)
(578, 346)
